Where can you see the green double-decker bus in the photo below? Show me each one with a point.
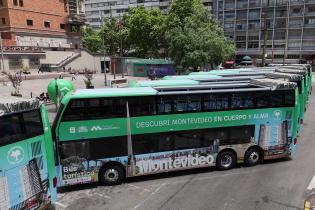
(107, 135)
(27, 169)
(283, 73)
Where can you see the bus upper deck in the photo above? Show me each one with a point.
(27, 169)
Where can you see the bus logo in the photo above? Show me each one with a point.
(15, 155)
(96, 128)
(277, 114)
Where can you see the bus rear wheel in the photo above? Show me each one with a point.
(226, 160)
(252, 157)
(112, 175)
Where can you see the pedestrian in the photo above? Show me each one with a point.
(39, 69)
(73, 76)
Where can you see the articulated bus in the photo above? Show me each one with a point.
(107, 135)
(27, 169)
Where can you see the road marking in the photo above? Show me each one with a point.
(312, 184)
(143, 201)
(62, 205)
(134, 186)
(104, 196)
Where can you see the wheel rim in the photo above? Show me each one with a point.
(226, 161)
(111, 175)
(254, 157)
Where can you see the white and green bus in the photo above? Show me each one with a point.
(107, 135)
(27, 169)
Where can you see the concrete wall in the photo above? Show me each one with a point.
(25, 61)
(55, 57)
(86, 60)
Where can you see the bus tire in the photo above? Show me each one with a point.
(112, 175)
(226, 160)
(252, 157)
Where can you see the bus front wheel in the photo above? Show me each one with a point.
(252, 157)
(111, 175)
(226, 160)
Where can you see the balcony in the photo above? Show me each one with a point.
(76, 19)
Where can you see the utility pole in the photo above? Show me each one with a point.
(286, 35)
(101, 19)
(2, 54)
(265, 40)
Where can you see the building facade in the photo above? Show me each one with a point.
(40, 23)
(97, 9)
(285, 29)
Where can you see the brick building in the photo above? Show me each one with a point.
(40, 23)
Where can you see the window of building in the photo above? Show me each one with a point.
(15, 62)
(34, 62)
(47, 24)
(311, 9)
(15, 2)
(296, 10)
(21, 3)
(29, 22)
(62, 26)
(3, 21)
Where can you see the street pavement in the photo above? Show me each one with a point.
(36, 87)
(281, 184)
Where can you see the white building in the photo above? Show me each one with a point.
(94, 9)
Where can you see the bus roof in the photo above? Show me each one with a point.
(274, 84)
(289, 77)
(192, 77)
(159, 83)
(302, 68)
(216, 72)
(13, 104)
(292, 71)
(108, 92)
(253, 84)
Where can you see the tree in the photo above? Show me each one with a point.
(194, 39)
(110, 36)
(91, 39)
(146, 31)
(16, 80)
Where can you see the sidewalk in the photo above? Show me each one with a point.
(36, 87)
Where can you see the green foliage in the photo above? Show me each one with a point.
(91, 39)
(189, 36)
(146, 31)
(195, 40)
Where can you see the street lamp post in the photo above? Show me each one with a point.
(2, 53)
(101, 19)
